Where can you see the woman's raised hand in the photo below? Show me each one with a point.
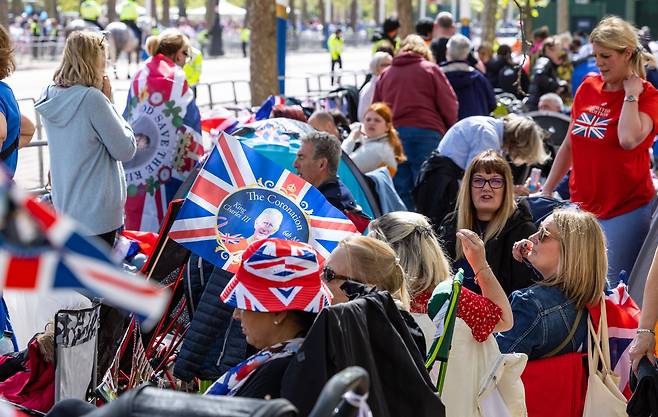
(107, 88)
(633, 85)
(521, 249)
(473, 248)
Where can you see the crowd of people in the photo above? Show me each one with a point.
(458, 199)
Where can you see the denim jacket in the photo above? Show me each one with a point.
(543, 316)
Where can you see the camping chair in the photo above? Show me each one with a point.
(142, 356)
(76, 333)
(440, 349)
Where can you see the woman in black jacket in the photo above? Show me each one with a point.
(486, 206)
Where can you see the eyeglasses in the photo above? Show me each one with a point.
(495, 182)
(329, 275)
(543, 234)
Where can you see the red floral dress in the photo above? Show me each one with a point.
(478, 312)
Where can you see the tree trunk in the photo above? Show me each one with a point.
(526, 16)
(262, 60)
(354, 17)
(165, 12)
(182, 9)
(562, 16)
(154, 11)
(304, 13)
(292, 17)
(489, 21)
(16, 7)
(4, 13)
(111, 9)
(247, 7)
(210, 12)
(405, 11)
(323, 14)
(375, 11)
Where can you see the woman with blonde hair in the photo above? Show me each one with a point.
(87, 139)
(424, 107)
(486, 206)
(375, 143)
(359, 260)
(16, 130)
(421, 257)
(614, 122)
(161, 106)
(368, 261)
(569, 252)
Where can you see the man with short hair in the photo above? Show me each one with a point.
(551, 102)
(317, 162)
(323, 121)
(444, 26)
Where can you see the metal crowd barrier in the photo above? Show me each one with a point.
(231, 94)
(38, 48)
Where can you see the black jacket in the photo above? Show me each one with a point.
(214, 342)
(511, 274)
(368, 332)
(437, 186)
(544, 80)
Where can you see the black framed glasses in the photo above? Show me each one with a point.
(495, 182)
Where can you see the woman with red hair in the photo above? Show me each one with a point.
(375, 142)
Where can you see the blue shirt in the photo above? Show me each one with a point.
(471, 136)
(9, 108)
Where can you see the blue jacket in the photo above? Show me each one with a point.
(214, 343)
(543, 317)
(474, 92)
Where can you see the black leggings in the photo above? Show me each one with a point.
(109, 237)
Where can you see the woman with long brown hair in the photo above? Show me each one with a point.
(486, 206)
(375, 143)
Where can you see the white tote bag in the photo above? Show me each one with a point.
(603, 399)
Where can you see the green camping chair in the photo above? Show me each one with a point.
(442, 309)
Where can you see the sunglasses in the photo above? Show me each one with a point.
(329, 275)
(543, 234)
(495, 182)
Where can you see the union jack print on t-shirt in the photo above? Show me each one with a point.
(590, 126)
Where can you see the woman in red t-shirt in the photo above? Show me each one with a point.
(614, 121)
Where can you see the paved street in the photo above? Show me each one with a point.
(30, 78)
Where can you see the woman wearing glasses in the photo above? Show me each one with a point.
(569, 252)
(520, 139)
(486, 206)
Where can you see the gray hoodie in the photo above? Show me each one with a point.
(87, 140)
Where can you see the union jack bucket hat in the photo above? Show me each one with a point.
(278, 275)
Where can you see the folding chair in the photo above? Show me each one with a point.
(76, 333)
(440, 349)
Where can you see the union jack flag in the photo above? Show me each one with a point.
(231, 167)
(590, 126)
(71, 261)
(166, 120)
(623, 319)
